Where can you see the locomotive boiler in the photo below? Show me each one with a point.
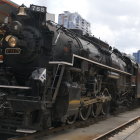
(50, 75)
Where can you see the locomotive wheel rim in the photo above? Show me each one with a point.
(96, 109)
(105, 105)
(84, 112)
(93, 114)
(71, 119)
(105, 108)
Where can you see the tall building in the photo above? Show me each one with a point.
(74, 21)
(50, 17)
(137, 56)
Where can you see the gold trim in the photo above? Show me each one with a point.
(74, 102)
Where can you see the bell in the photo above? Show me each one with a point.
(22, 11)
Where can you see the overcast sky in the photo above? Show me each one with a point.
(114, 21)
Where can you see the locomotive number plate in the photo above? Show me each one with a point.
(40, 9)
(12, 51)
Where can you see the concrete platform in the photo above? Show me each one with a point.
(93, 131)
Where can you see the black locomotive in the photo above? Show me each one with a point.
(51, 75)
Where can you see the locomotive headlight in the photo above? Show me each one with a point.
(12, 41)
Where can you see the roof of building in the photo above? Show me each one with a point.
(6, 7)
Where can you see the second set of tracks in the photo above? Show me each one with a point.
(122, 132)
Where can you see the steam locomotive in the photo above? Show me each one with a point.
(50, 75)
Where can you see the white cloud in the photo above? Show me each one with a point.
(117, 22)
(104, 33)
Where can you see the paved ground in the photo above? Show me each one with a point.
(90, 132)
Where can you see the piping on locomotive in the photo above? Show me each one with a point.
(51, 75)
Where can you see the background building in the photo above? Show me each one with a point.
(137, 56)
(50, 16)
(6, 6)
(74, 21)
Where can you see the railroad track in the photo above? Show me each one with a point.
(122, 132)
(38, 135)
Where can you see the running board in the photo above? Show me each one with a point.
(17, 87)
(28, 131)
(89, 60)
